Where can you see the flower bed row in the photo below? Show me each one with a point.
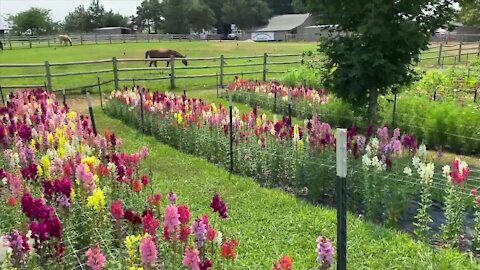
(382, 183)
(444, 125)
(70, 199)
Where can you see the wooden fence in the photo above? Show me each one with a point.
(27, 42)
(115, 73)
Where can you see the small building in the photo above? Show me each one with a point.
(117, 30)
(282, 27)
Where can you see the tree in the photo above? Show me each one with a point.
(150, 13)
(35, 20)
(201, 16)
(176, 13)
(246, 13)
(96, 13)
(115, 19)
(280, 7)
(299, 6)
(469, 13)
(217, 7)
(78, 20)
(381, 40)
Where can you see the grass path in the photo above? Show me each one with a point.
(270, 223)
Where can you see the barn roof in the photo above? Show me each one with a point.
(285, 22)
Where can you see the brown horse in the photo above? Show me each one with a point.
(65, 39)
(164, 53)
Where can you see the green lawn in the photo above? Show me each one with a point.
(193, 49)
(270, 223)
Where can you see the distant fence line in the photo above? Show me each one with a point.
(219, 70)
(26, 42)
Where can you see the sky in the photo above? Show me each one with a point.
(60, 8)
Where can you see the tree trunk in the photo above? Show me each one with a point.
(372, 107)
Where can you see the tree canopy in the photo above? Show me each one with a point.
(35, 21)
(380, 41)
(246, 13)
(470, 13)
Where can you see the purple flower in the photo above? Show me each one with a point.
(219, 206)
(325, 252)
(200, 232)
(172, 197)
(25, 132)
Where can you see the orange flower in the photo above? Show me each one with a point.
(137, 186)
(228, 249)
(11, 201)
(285, 263)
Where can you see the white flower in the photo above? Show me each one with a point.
(426, 173)
(378, 164)
(5, 250)
(366, 161)
(218, 239)
(112, 168)
(446, 171)
(416, 161)
(422, 151)
(369, 150)
(374, 143)
(407, 171)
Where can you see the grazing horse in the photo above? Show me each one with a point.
(1, 45)
(164, 53)
(65, 39)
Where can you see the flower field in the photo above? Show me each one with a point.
(70, 199)
(446, 123)
(386, 175)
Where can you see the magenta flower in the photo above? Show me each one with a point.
(148, 250)
(460, 171)
(171, 219)
(172, 197)
(184, 213)
(325, 252)
(219, 206)
(95, 259)
(191, 259)
(117, 210)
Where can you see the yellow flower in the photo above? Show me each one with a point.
(33, 143)
(132, 243)
(135, 268)
(72, 195)
(259, 122)
(72, 115)
(39, 170)
(46, 164)
(90, 160)
(96, 200)
(96, 179)
(178, 117)
(213, 108)
(61, 152)
(61, 141)
(50, 138)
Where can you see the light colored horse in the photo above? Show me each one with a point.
(65, 39)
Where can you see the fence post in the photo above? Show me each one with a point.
(115, 72)
(48, 75)
(100, 91)
(10, 42)
(30, 41)
(48, 41)
(478, 49)
(96, 39)
(141, 111)
(172, 72)
(123, 38)
(341, 137)
(231, 130)
(1, 93)
(460, 51)
(110, 38)
(81, 39)
(64, 98)
(474, 95)
(394, 109)
(222, 63)
(92, 118)
(440, 53)
(216, 75)
(265, 55)
(275, 100)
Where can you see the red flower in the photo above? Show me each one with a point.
(285, 263)
(137, 186)
(145, 180)
(478, 201)
(155, 199)
(211, 234)
(103, 170)
(150, 224)
(228, 249)
(117, 210)
(11, 201)
(219, 205)
(460, 171)
(184, 213)
(184, 233)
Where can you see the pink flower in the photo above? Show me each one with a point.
(172, 197)
(473, 192)
(148, 250)
(95, 258)
(117, 209)
(85, 177)
(171, 218)
(150, 224)
(460, 171)
(325, 251)
(191, 259)
(184, 213)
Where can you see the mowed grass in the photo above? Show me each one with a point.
(191, 49)
(270, 223)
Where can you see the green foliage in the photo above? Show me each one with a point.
(149, 14)
(78, 20)
(176, 16)
(469, 13)
(302, 75)
(246, 13)
(36, 20)
(201, 16)
(367, 60)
